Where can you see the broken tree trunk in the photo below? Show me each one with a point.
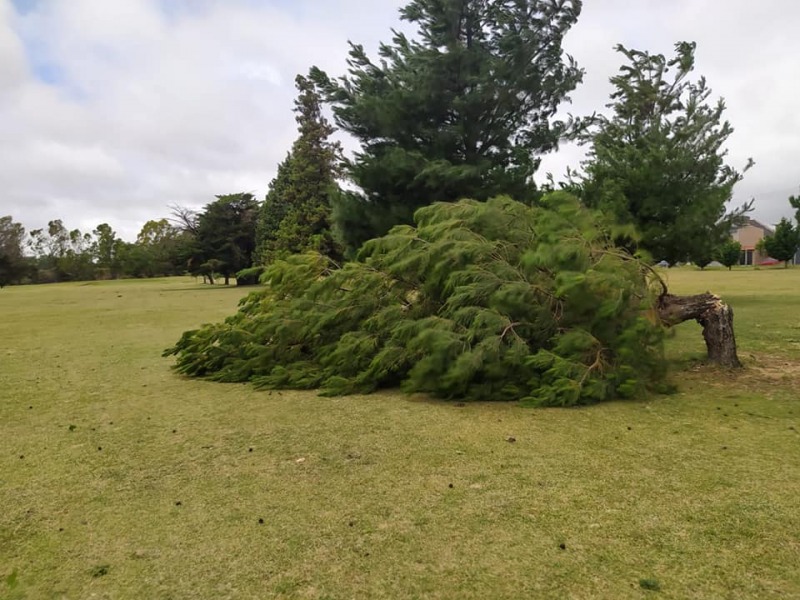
(714, 316)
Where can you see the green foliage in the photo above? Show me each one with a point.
(729, 253)
(463, 109)
(490, 301)
(13, 265)
(783, 244)
(226, 235)
(295, 216)
(249, 276)
(105, 248)
(62, 254)
(659, 161)
(794, 201)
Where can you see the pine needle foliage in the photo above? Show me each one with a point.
(658, 161)
(491, 300)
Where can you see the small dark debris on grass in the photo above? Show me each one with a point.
(30, 408)
(174, 431)
(511, 439)
(791, 428)
(99, 448)
(21, 456)
(261, 521)
(450, 485)
(724, 414)
(562, 546)
(61, 529)
(111, 422)
(630, 428)
(249, 449)
(350, 524)
(719, 408)
(650, 584)
(724, 447)
(73, 427)
(100, 570)
(179, 503)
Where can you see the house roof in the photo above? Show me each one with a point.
(750, 222)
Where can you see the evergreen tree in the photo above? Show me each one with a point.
(658, 161)
(462, 110)
(485, 300)
(296, 213)
(729, 253)
(783, 244)
(226, 235)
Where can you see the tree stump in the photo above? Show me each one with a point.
(714, 316)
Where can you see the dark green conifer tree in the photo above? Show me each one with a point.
(462, 110)
(226, 235)
(296, 213)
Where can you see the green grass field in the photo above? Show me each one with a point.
(121, 480)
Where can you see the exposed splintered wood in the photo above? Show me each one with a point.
(714, 316)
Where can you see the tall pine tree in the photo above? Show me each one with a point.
(658, 162)
(296, 213)
(464, 109)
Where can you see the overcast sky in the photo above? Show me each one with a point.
(110, 110)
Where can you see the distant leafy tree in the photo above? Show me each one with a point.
(658, 161)
(106, 247)
(13, 265)
(296, 213)
(164, 243)
(226, 235)
(783, 244)
(62, 254)
(486, 300)
(729, 253)
(464, 109)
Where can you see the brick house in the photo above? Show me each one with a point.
(748, 235)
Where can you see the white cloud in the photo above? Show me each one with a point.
(110, 111)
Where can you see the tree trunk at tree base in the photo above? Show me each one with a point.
(714, 316)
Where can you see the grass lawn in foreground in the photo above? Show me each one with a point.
(122, 480)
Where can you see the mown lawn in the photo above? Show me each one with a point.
(119, 479)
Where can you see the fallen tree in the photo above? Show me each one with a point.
(488, 300)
